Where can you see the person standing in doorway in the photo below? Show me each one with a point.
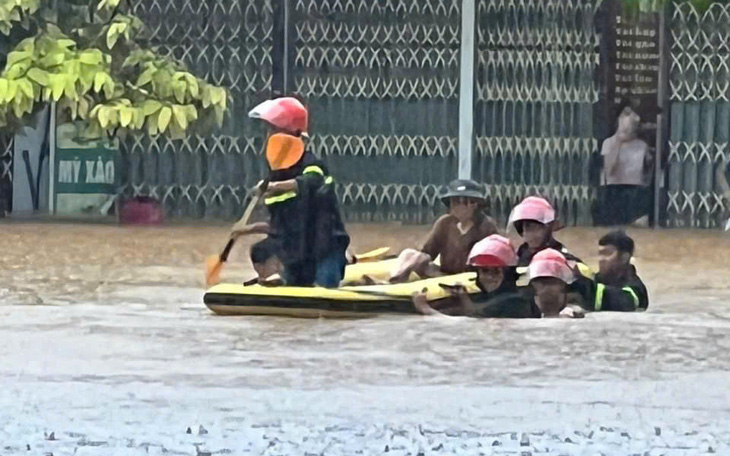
(625, 193)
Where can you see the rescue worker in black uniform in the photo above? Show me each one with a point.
(304, 213)
(618, 287)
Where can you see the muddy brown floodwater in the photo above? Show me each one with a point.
(106, 345)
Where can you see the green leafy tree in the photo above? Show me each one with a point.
(92, 58)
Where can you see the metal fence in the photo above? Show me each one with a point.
(382, 79)
(228, 42)
(536, 86)
(700, 114)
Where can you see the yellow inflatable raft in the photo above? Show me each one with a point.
(343, 302)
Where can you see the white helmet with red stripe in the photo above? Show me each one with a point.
(532, 208)
(494, 251)
(286, 113)
(551, 263)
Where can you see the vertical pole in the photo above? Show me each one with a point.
(466, 88)
(661, 118)
(52, 160)
(287, 24)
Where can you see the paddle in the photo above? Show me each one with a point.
(214, 263)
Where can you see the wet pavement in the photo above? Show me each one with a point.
(107, 346)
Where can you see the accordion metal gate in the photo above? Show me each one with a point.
(384, 80)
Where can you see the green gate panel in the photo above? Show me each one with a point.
(700, 115)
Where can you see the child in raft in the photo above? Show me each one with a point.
(452, 236)
(265, 258)
(494, 261)
(618, 287)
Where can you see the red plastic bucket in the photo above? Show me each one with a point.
(140, 210)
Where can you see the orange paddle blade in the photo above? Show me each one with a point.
(213, 266)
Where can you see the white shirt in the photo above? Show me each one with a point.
(624, 163)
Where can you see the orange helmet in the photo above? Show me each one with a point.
(286, 113)
(493, 251)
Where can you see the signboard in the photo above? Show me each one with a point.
(637, 65)
(630, 67)
(85, 176)
(30, 166)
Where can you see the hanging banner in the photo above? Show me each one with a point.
(85, 177)
(30, 166)
(637, 64)
(631, 65)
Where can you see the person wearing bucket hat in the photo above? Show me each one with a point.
(304, 214)
(451, 237)
(494, 260)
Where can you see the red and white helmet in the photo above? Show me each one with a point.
(533, 208)
(551, 263)
(494, 251)
(285, 113)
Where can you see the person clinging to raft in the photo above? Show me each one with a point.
(550, 278)
(304, 214)
(494, 261)
(618, 286)
(452, 236)
(535, 221)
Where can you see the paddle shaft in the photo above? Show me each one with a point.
(244, 220)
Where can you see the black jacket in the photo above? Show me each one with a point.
(622, 294)
(505, 302)
(581, 289)
(524, 255)
(307, 222)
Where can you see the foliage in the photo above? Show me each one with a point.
(91, 57)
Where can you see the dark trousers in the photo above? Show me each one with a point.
(621, 204)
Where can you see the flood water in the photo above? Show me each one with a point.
(106, 344)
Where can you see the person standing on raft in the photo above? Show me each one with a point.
(304, 213)
(452, 236)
